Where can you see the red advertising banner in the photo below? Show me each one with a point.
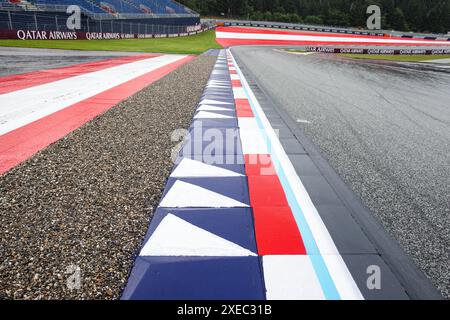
(76, 35)
(383, 51)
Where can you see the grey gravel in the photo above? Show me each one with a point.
(385, 128)
(87, 199)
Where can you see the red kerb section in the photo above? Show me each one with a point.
(20, 144)
(26, 80)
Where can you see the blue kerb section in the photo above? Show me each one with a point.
(196, 278)
(233, 187)
(212, 144)
(205, 278)
(237, 167)
(214, 123)
(320, 267)
(228, 113)
(232, 224)
(212, 52)
(212, 141)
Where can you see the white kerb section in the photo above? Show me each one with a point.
(291, 277)
(252, 140)
(239, 93)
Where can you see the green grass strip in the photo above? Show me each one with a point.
(195, 44)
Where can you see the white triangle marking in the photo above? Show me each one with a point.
(222, 84)
(217, 86)
(193, 168)
(187, 195)
(209, 101)
(210, 115)
(177, 237)
(206, 107)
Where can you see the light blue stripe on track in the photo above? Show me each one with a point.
(326, 282)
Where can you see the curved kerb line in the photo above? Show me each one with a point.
(332, 272)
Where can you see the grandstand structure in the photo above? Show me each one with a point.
(124, 16)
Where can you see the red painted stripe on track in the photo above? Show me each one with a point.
(277, 232)
(275, 227)
(265, 191)
(26, 80)
(236, 83)
(19, 145)
(242, 103)
(311, 33)
(243, 108)
(259, 165)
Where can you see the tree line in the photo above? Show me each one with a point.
(403, 15)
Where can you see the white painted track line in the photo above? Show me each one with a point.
(291, 277)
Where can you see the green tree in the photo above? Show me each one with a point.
(313, 20)
(267, 16)
(336, 17)
(294, 18)
(417, 15)
(396, 19)
(257, 16)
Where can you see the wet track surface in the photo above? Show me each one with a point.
(22, 60)
(385, 128)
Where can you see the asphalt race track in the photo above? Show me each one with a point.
(384, 127)
(357, 176)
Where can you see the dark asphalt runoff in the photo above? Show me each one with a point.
(22, 60)
(385, 128)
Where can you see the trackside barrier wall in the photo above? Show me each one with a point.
(379, 51)
(301, 27)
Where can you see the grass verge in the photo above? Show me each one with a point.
(196, 44)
